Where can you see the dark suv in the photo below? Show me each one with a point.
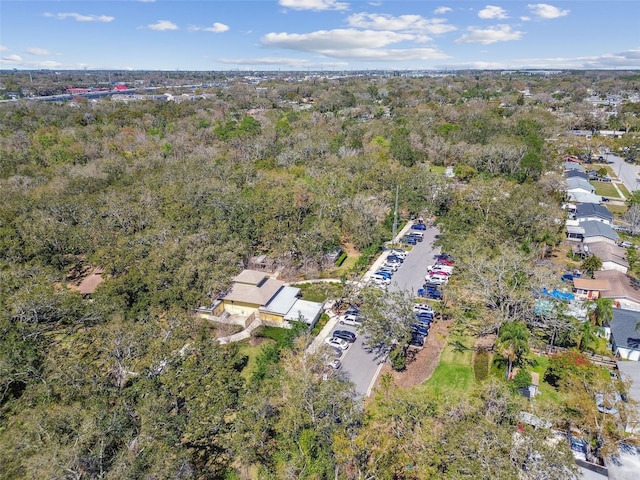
(344, 335)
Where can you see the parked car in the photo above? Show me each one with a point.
(419, 236)
(351, 317)
(417, 340)
(379, 279)
(388, 270)
(384, 274)
(438, 279)
(336, 364)
(626, 244)
(344, 335)
(418, 226)
(409, 240)
(430, 294)
(420, 329)
(337, 343)
(399, 253)
(394, 259)
(422, 307)
(444, 261)
(440, 268)
(444, 256)
(391, 265)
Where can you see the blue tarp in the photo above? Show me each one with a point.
(559, 294)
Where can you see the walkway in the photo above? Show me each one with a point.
(244, 334)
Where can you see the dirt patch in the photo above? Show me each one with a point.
(486, 342)
(421, 362)
(350, 250)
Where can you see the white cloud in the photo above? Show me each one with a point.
(333, 40)
(492, 12)
(544, 10)
(12, 59)
(442, 10)
(3, 48)
(525, 19)
(411, 23)
(37, 51)
(316, 5)
(163, 25)
(486, 36)
(216, 27)
(352, 44)
(79, 17)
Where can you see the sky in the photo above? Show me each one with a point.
(250, 35)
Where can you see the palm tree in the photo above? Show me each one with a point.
(601, 311)
(587, 336)
(513, 342)
(591, 264)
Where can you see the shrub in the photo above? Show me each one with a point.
(481, 365)
(398, 360)
(522, 379)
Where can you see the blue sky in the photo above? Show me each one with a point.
(318, 34)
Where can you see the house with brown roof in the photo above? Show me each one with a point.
(588, 288)
(624, 290)
(613, 256)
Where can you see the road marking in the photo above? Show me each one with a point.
(375, 376)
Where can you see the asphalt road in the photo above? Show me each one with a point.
(626, 172)
(361, 365)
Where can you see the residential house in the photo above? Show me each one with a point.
(613, 257)
(593, 211)
(624, 290)
(625, 338)
(589, 289)
(572, 165)
(580, 196)
(591, 231)
(576, 174)
(579, 185)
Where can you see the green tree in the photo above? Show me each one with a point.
(513, 343)
(591, 264)
(601, 311)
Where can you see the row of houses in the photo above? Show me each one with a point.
(591, 229)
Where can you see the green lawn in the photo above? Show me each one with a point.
(251, 352)
(320, 291)
(455, 370)
(606, 189)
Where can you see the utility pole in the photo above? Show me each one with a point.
(395, 219)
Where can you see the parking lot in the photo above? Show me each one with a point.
(361, 365)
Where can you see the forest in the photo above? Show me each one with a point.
(171, 199)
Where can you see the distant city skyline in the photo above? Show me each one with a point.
(274, 35)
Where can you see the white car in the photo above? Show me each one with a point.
(441, 268)
(399, 253)
(337, 343)
(437, 279)
(422, 307)
(380, 279)
(393, 266)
